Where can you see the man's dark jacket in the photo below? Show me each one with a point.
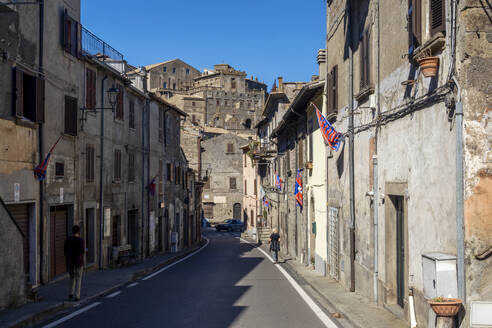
(74, 252)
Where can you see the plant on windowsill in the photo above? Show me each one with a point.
(428, 63)
(445, 307)
(309, 165)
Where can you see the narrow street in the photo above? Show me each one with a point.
(227, 284)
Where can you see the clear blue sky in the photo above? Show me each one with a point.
(265, 38)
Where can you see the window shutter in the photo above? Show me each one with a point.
(367, 53)
(437, 16)
(300, 153)
(79, 39)
(362, 46)
(19, 92)
(329, 95)
(70, 115)
(64, 33)
(416, 22)
(39, 100)
(334, 97)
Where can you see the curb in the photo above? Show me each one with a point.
(48, 312)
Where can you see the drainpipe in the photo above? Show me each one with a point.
(351, 154)
(101, 179)
(40, 146)
(145, 109)
(375, 162)
(460, 224)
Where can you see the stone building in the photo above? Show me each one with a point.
(251, 190)
(171, 76)
(222, 164)
(55, 87)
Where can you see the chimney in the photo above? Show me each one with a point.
(322, 63)
(280, 83)
(144, 72)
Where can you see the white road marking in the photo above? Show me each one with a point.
(309, 301)
(71, 315)
(114, 294)
(132, 285)
(173, 264)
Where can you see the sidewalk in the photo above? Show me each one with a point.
(355, 310)
(54, 296)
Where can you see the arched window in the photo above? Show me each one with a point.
(247, 124)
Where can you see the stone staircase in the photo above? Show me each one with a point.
(264, 234)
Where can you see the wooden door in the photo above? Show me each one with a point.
(90, 234)
(58, 235)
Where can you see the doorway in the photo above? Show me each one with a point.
(90, 235)
(236, 211)
(58, 235)
(400, 250)
(132, 229)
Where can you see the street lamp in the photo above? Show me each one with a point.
(112, 95)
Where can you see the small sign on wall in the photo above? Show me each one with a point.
(107, 222)
(16, 192)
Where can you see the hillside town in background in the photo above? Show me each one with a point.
(376, 173)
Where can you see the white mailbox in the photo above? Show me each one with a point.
(439, 273)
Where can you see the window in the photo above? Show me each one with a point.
(192, 103)
(164, 69)
(232, 183)
(437, 16)
(364, 60)
(164, 85)
(218, 102)
(176, 174)
(117, 165)
(70, 35)
(174, 69)
(161, 125)
(207, 183)
(168, 171)
(300, 158)
(131, 166)
(332, 90)
(233, 83)
(89, 163)
(310, 131)
(245, 158)
(120, 104)
(161, 189)
(59, 169)
(29, 96)
(247, 124)
(226, 102)
(70, 115)
(415, 24)
(230, 148)
(256, 187)
(131, 115)
(174, 86)
(193, 118)
(187, 71)
(90, 89)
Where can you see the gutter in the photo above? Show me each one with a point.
(40, 145)
(101, 179)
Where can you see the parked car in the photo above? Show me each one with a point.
(230, 225)
(205, 222)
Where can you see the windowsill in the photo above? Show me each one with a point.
(434, 45)
(364, 93)
(25, 122)
(120, 121)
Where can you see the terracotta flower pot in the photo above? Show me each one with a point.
(309, 165)
(448, 307)
(428, 66)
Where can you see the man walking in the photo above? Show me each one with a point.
(74, 253)
(274, 245)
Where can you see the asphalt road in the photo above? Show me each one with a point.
(228, 284)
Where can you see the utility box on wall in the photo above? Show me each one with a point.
(439, 273)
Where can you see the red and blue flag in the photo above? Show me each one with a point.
(40, 170)
(152, 185)
(331, 136)
(266, 202)
(278, 182)
(298, 189)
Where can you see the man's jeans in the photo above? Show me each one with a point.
(76, 281)
(275, 255)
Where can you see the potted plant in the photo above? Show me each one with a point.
(309, 165)
(428, 64)
(445, 307)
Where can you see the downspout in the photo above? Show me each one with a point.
(101, 177)
(40, 146)
(375, 203)
(351, 152)
(325, 104)
(145, 108)
(460, 224)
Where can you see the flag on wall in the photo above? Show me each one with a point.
(331, 136)
(266, 202)
(151, 186)
(40, 170)
(278, 182)
(298, 189)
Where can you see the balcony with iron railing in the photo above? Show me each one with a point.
(94, 46)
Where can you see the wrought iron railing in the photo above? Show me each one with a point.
(93, 45)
